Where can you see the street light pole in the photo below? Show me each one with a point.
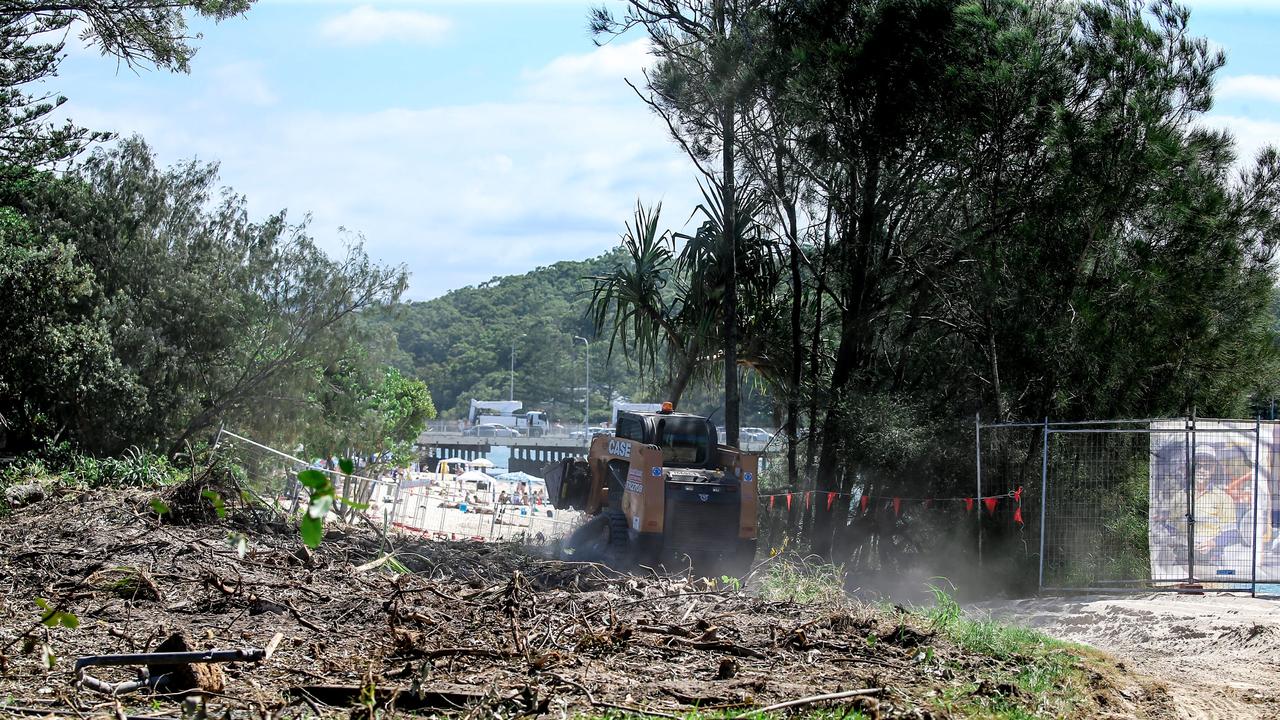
(513, 367)
(586, 413)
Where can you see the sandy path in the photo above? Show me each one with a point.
(1218, 655)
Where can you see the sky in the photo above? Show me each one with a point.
(468, 139)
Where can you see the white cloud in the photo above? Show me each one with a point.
(367, 25)
(1250, 87)
(591, 76)
(1251, 134)
(458, 192)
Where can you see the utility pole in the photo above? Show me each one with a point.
(512, 396)
(586, 413)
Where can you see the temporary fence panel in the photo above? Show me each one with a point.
(1095, 481)
(1158, 504)
(398, 500)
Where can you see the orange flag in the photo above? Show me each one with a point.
(831, 497)
(897, 507)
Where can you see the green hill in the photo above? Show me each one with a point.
(461, 344)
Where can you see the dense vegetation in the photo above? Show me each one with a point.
(919, 210)
(145, 308)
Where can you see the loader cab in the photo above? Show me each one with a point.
(686, 441)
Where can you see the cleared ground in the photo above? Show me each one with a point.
(475, 629)
(1218, 656)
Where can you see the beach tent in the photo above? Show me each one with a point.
(480, 483)
(521, 477)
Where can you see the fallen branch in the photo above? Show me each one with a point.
(297, 615)
(809, 701)
(593, 702)
(618, 606)
(721, 646)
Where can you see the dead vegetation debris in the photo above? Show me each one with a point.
(465, 629)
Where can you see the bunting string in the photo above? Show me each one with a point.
(988, 502)
(1015, 495)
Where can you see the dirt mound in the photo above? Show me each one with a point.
(439, 628)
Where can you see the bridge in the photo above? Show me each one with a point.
(528, 454)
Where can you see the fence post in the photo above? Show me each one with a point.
(1257, 455)
(1189, 447)
(1044, 496)
(977, 444)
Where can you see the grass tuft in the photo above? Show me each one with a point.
(802, 580)
(1048, 673)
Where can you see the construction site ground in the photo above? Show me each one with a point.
(388, 625)
(1217, 654)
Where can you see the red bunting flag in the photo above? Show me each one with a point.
(831, 497)
(991, 504)
(968, 504)
(928, 503)
(862, 504)
(788, 501)
(1017, 516)
(1017, 495)
(808, 500)
(897, 507)
(771, 497)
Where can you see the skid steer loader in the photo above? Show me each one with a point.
(662, 493)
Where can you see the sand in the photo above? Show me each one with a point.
(1219, 655)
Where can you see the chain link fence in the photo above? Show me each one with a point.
(427, 504)
(1171, 504)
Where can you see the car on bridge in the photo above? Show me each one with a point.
(491, 430)
(593, 433)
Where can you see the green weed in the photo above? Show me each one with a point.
(802, 581)
(1050, 672)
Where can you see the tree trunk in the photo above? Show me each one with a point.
(815, 357)
(676, 386)
(797, 348)
(828, 462)
(1001, 410)
(853, 347)
(731, 400)
(729, 204)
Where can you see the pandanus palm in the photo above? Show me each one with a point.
(642, 302)
(659, 300)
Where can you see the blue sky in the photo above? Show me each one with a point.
(472, 139)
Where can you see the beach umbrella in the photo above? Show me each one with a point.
(520, 477)
(481, 463)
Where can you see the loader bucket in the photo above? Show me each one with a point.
(569, 484)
